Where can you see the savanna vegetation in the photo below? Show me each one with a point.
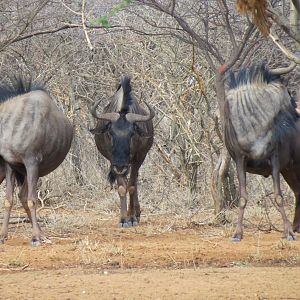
(178, 54)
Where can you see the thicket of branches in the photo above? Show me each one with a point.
(174, 51)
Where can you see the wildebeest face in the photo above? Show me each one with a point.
(124, 131)
(121, 133)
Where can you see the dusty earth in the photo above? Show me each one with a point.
(88, 257)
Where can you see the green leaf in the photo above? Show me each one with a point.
(104, 21)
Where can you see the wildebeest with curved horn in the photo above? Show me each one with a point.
(124, 135)
(35, 137)
(262, 134)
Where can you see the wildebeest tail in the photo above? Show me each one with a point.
(20, 178)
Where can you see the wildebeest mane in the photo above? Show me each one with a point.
(122, 99)
(261, 110)
(127, 98)
(18, 86)
(255, 74)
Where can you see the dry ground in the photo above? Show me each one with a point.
(88, 257)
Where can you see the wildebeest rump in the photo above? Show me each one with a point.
(124, 135)
(262, 134)
(35, 137)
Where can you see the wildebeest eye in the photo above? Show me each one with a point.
(140, 131)
(105, 128)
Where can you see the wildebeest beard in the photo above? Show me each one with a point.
(112, 175)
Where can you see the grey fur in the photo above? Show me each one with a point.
(35, 138)
(252, 110)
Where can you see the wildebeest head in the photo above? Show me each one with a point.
(123, 130)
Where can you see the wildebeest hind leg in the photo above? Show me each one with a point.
(8, 202)
(32, 179)
(23, 198)
(240, 165)
(291, 177)
(287, 227)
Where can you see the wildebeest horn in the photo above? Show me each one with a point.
(131, 117)
(282, 71)
(113, 116)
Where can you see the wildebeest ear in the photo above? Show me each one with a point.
(140, 131)
(102, 129)
(93, 130)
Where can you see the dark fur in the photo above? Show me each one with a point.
(125, 144)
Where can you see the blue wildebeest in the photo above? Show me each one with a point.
(35, 137)
(124, 135)
(262, 134)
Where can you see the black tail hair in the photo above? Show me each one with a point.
(20, 179)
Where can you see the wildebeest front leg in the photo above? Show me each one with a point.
(8, 202)
(287, 227)
(32, 179)
(240, 165)
(134, 211)
(122, 190)
(296, 222)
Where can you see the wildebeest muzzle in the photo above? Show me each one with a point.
(121, 170)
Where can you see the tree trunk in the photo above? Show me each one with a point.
(221, 186)
(75, 150)
(294, 18)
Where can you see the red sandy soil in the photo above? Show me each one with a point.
(160, 259)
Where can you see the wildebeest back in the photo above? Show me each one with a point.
(259, 111)
(31, 125)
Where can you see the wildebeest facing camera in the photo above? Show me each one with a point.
(124, 135)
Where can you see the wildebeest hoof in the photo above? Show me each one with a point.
(3, 238)
(123, 225)
(133, 223)
(296, 228)
(236, 239)
(289, 233)
(35, 242)
(291, 238)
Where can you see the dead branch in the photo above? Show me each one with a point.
(284, 50)
(285, 26)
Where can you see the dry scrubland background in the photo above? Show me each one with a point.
(166, 70)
